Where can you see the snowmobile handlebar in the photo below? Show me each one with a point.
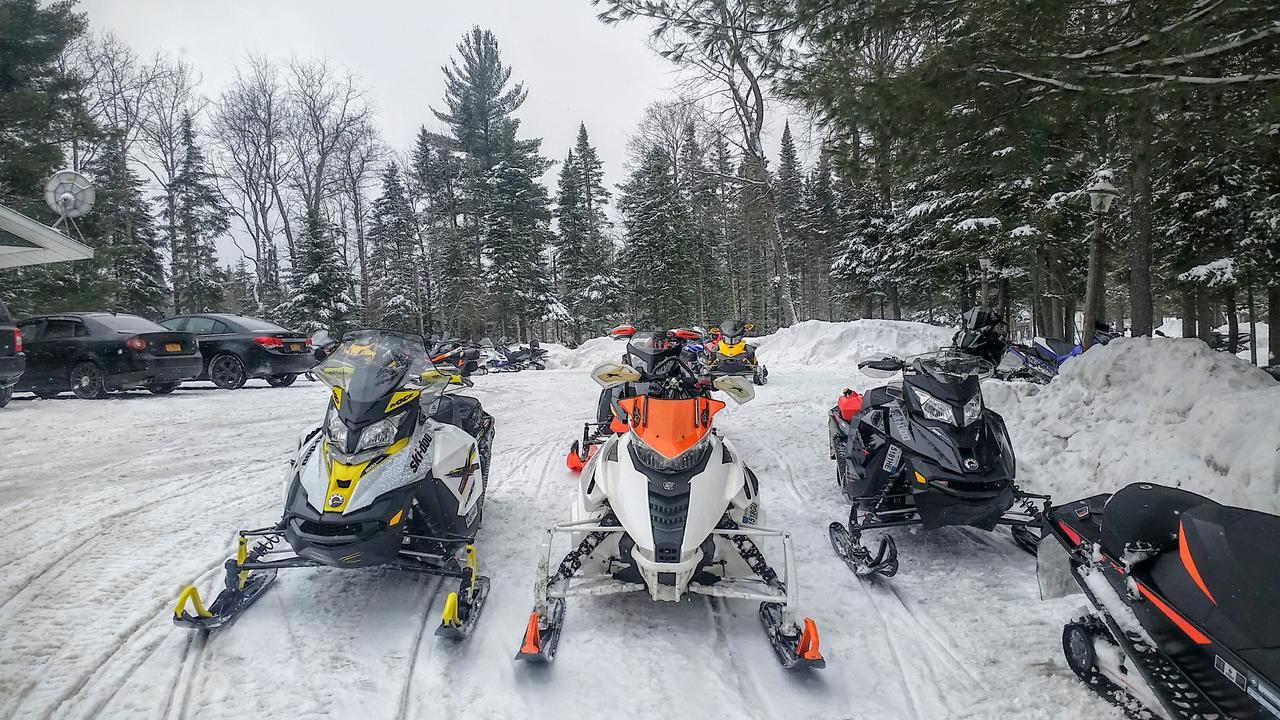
(889, 364)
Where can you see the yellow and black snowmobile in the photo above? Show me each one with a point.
(729, 354)
(395, 477)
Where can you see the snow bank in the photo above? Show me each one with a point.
(816, 342)
(810, 343)
(587, 355)
(1172, 327)
(1169, 411)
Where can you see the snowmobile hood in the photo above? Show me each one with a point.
(670, 427)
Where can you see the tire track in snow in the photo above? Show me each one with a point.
(741, 673)
(406, 687)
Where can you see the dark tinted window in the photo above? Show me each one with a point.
(127, 323)
(174, 323)
(81, 330)
(255, 325)
(62, 329)
(31, 330)
(206, 326)
(4, 313)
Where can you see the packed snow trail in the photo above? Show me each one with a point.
(115, 504)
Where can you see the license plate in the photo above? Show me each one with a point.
(173, 347)
(295, 347)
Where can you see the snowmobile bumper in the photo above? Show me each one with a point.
(668, 581)
(943, 505)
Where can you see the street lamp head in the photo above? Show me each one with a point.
(1101, 193)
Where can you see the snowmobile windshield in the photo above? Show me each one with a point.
(732, 332)
(951, 367)
(370, 364)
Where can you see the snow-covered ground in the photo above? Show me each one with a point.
(113, 505)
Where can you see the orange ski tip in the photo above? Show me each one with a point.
(532, 638)
(807, 648)
(573, 462)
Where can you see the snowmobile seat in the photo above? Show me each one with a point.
(881, 396)
(1145, 514)
(1060, 347)
(1226, 577)
(460, 410)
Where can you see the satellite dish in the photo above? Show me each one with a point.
(69, 194)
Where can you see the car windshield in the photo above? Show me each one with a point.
(255, 325)
(370, 364)
(128, 324)
(948, 366)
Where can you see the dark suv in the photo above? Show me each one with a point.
(237, 348)
(12, 361)
(92, 353)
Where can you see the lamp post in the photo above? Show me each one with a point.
(1101, 194)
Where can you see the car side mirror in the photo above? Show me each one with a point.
(735, 387)
(611, 375)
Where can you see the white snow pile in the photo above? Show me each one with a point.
(587, 355)
(842, 344)
(1168, 411)
(1172, 327)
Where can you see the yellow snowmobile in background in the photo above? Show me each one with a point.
(729, 354)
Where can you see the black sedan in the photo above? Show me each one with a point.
(237, 348)
(12, 359)
(93, 353)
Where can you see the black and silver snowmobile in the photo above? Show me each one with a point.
(983, 333)
(927, 452)
(395, 478)
(1182, 592)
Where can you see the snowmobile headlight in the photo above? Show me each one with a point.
(657, 461)
(380, 434)
(935, 409)
(973, 409)
(337, 431)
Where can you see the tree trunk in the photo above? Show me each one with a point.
(1204, 316)
(868, 305)
(1188, 313)
(1233, 322)
(1140, 233)
(895, 307)
(1095, 287)
(1273, 318)
(1069, 320)
(1253, 328)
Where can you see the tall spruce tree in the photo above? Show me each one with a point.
(658, 252)
(789, 190)
(321, 293)
(200, 218)
(394, 258)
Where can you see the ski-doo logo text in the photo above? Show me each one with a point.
(415, 461)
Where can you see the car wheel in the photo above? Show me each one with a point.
(227, 372)
(162, 388)
(87, 381)
(6, 394)
(281, 380)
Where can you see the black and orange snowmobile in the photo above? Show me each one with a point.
(1183, 594)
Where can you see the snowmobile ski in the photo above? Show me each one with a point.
(861, 560)
(794, 650)
(462, 609)
(233, 600)
(542, 634)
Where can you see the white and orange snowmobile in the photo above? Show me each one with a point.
(668, 507)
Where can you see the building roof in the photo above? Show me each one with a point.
(24, 241)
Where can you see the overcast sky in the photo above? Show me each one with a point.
(575, 68)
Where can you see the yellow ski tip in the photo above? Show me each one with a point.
(450, 617)
(190, 593)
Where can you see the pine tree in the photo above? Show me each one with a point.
(479, 109)
(789, 190)
(394, 259)
(320, 289)
(658, 253)
(588, 289)
(200, 218)
(515, 229)
(241, 294)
